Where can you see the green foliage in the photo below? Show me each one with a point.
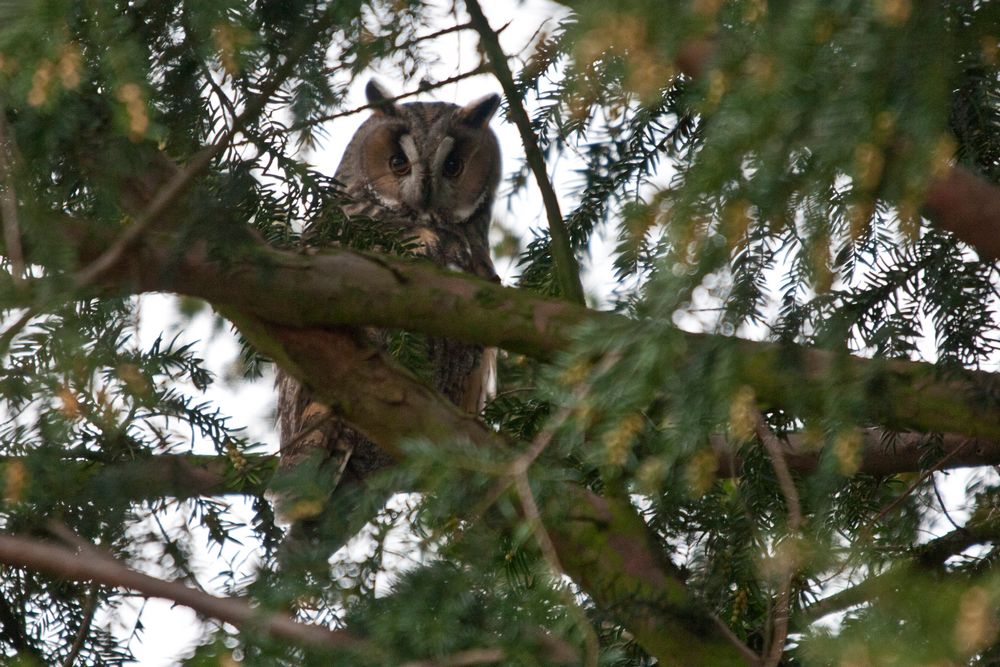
(772, 192)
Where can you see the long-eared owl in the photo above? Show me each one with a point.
(429, 171)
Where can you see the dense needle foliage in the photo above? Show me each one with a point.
(768, 187)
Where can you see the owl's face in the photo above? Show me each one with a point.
(428, 160)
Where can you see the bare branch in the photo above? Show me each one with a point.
(776, 452)
(358, 109)
(90, 606)
(786, 552)
(566, 267)
(867, 530)
(64, 563)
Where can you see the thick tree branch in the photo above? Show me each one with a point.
(342, 287)
(67, 564)
(192, 475)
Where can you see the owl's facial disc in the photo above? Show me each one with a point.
(415, 186)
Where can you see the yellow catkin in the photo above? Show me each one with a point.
(976, 625)
(743, 414)
(847, 450)
(15, 479)
(41, 84)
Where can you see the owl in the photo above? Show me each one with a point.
(427, 172)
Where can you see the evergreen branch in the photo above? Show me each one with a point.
(161, 476)
(566, 267)
(182, 179)
(928, 556)
(342, 287)
(192, 475)
(93, 566)
(957, 200)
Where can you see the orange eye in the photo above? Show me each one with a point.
(399, 164)
(453, 166)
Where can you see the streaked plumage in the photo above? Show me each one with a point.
(430, 171)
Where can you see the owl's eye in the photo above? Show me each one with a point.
(399, 164)
(453, 166)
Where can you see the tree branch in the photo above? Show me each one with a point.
(64, 563)
(566, 267)
(343, 287)
(191, 475)
(928, 556)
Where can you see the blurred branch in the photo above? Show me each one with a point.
(191, 475)
(784, 551)
(929, 556)
(957, 200)
(477, 656)
(968, 206)
(566, 268)
(69, 564)
(162, 476)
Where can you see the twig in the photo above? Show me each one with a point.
(566, 267)
(870, 528)
(944, 508)
(549, 553)
(81, 635)
(92, 565)
(8, 204)
(782, 609)
(476, 656)
(776, 452)
(422, 89)
(434, 35)
(522, 463)
(15, 328)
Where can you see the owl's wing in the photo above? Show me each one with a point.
(309, 430)
(481, 383)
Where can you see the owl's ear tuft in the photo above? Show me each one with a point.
(379, 98)
(479, 112)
